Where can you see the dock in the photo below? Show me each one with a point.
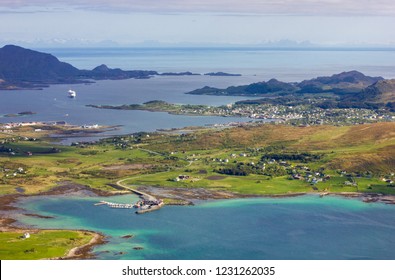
(115, 205)
(143, 206)
(148, 203)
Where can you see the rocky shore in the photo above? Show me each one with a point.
(85, 251)
(187, 196)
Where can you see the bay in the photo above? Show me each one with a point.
(53, 103)
(305, 227)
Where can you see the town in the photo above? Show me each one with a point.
(303, 114)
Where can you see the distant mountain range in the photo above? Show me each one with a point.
(265, 44)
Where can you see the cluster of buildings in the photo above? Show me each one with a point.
(347, 116)
(13, 125)
(306, 114)
(19, 124)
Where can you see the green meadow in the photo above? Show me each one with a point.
(241, 160)
(41, 245)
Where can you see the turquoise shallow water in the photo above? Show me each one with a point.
(306, 227)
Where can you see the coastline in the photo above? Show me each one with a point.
(184, 196)
(85, 251)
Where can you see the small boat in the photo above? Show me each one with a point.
(72, 93)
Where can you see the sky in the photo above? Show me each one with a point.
(198, 22)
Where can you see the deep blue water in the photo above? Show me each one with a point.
(306, 227)
(52, 104)
(288, 65)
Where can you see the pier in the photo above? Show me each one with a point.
(115, 205)
(148, 203)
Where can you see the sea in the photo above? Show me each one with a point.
(53, 103)
(305, 227)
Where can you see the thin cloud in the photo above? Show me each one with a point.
(267, 7)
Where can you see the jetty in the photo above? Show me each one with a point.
(115, 205)
(147, 203)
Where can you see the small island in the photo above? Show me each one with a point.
(179, 74)
(21, 114)
(222, 74)
(163, 106)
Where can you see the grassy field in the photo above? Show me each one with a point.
(41, 245)
(258, 184)
(364, 153)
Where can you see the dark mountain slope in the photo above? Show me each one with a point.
(19, 64)
(352, 81)
(343, 83)
(24, 68)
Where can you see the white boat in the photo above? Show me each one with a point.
(72, 93)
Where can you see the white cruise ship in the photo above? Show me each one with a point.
(72, 93)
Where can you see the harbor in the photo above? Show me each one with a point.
(147, 203)
(142, 206)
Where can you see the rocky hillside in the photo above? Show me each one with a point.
(342, 83)
(352, 81)
(382, 91)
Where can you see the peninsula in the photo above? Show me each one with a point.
(344, 99)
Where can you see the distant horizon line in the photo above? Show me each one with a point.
(230, 47)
